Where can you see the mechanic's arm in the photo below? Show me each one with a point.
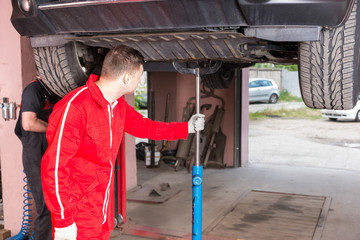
(138, 126)
(64, 134)
(31, 123)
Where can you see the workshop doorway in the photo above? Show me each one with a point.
(170, 92)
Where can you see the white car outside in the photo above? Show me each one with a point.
(352, 114)
(263, 90)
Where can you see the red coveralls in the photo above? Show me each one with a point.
(84, 135)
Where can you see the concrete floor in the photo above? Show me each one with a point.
(223, 187)
(290, 156)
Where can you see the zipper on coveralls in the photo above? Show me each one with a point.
(107, 193)
(106, 200)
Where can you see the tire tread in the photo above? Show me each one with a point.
(55, 66)
(328, 74)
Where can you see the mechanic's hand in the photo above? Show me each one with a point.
(66, 233)
(196, 123)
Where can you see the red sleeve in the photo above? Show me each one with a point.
(138, 126)
(64, 135)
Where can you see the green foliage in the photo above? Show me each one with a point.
(293, 67)
(139, 93)
(138, 98)
(285, 96)
(301, 113)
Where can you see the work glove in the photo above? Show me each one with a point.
(66, 233)
(196, 123)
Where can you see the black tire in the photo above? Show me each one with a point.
(219, 80)
(357, 118)
(63, 69)
(328, 68)
(333, 119)
(224, 76)
(273, 98)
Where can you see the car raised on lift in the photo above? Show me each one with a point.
(71, 37)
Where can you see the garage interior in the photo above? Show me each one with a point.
(223, 188)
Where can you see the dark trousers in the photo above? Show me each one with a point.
(34, 146)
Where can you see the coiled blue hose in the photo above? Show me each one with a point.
(26, 219)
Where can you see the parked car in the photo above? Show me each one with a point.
(263, 90)
(352, 114)
(71, 37)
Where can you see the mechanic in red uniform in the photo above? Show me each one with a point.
(84, 134)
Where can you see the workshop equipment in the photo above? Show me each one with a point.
(182, 153)
(197, 175)
(8, 109)
(26, 219)
(212, 139)
(216, 133)
(203, 136)
(152, 142)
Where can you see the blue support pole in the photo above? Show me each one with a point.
(197, 173)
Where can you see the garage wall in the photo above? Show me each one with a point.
(10, 146)
(28, 68)
(130, 153)
(162, 84)
(290, 82)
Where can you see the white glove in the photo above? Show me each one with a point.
(196, 123)
(66, 233)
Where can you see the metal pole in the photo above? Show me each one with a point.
(197, 143)
(197, 173)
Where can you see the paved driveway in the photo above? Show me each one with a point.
(306, 143)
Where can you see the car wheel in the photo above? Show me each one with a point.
(329, 69)
(333, 119)
(273, 98)
(219, 80)
(224, 76)
(357, 118)
(66, 67)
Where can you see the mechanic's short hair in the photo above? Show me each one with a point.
(121, 59)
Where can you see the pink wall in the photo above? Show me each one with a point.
(10, 146)
(164, 83)
(244, 148)
(27, 62)
(181, 88)
(131, 170)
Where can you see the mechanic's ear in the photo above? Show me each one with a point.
(126, 78)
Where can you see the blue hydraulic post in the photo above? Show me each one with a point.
(197, 202)
(197, 173)
(197, 170)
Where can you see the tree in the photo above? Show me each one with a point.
(292, 67)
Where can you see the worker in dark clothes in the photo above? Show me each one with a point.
(36, 105)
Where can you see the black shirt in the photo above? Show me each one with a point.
(34, 99)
